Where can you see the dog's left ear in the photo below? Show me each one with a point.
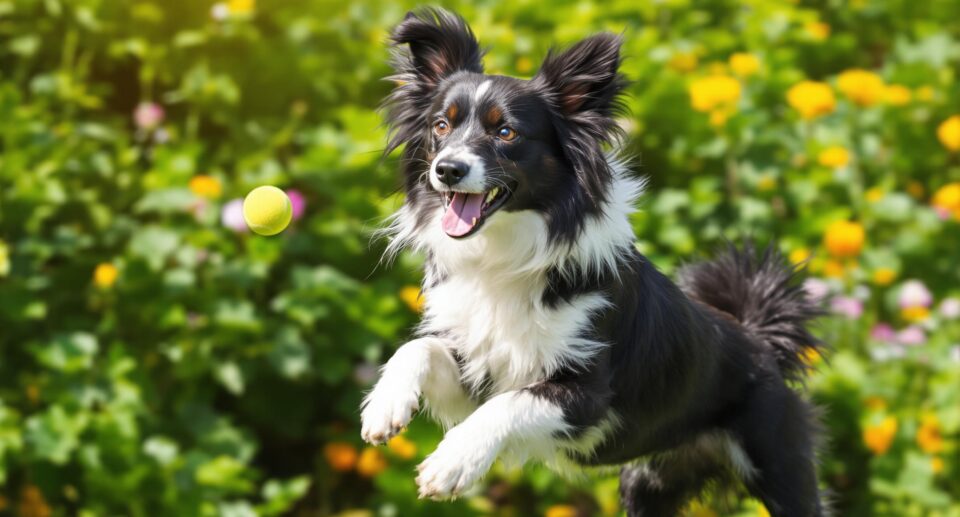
(584, 78)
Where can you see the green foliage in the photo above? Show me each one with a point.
(157, 360)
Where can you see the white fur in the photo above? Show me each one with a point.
(513, 420)
(481, 91)
(475, 179)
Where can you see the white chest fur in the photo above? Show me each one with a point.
(505, 336)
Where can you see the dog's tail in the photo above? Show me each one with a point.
(766, 296)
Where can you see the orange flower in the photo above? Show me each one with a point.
(413, 297)
(206, 186)
(879, 437)
(714, 92)
(947, 199)
(340, 455)
(811, 99)
(371, 462)
(402, 447)
(32, 503)
(561, 510)
(915, 189)
(743, 64)
(844, 239)
(883, 276)
(897, 95)
(523, 64)
(949, 133)
(929, 437)
(875, 403)
(812, 356)
(863, 87)
(833, 269)
(834, 157)
(105, 275)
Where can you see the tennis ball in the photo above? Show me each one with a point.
(267, 210)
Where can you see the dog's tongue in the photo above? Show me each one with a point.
(462, 214)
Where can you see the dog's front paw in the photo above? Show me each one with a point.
(455, 466)
(387, 410)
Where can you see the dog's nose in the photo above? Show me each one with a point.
(451, 171)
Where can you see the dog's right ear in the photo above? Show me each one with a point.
(441, 43)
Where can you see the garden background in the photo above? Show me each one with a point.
(156, 358)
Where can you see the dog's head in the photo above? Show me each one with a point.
(478, 144)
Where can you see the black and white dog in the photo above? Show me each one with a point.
(546, 334)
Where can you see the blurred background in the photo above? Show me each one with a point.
(156, 358)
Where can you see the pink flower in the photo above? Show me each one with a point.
(816, 289)
(950, 308)
(148, 115)
(298, 203)
(912, 335)
(847, 306)
(882, 332)
(231, 216)
(914, 294)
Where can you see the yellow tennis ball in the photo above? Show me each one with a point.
(267, 210)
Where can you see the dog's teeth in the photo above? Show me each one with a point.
(492, 194)
(474, 222)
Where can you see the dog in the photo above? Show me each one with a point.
(546, 334)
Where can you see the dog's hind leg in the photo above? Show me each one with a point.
(777, 435)
(663, 486)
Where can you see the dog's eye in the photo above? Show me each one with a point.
(506, 133)
(441, 127)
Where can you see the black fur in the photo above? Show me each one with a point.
(697, 375)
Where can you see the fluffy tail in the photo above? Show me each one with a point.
(765, 295)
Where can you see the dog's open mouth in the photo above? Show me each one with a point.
(467, 211)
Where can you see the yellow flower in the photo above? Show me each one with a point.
(714, 92)
(206, 186)
(762, 511)
(402, 447)
(799, 256)
(924, 93)
(874, 194)
(811, 99)
(949, 133)
(340, 456)
(371, 462)
(683, 62)
(915, 189)
(767, 183)
(884, 276)
(947, 199)
(915, 314)
(698, 509)
(818, 31)
(719, 117)
(844, 239)
(4, 259)
(105, 275)
(744, 65)
(929, 437)
(561, 510)
(861, 86)
(879, 437)
(241, 7)
(937, 464)
(812, 356)
(834, 157)
(897, 95)
(524, 64)
(413, 297)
